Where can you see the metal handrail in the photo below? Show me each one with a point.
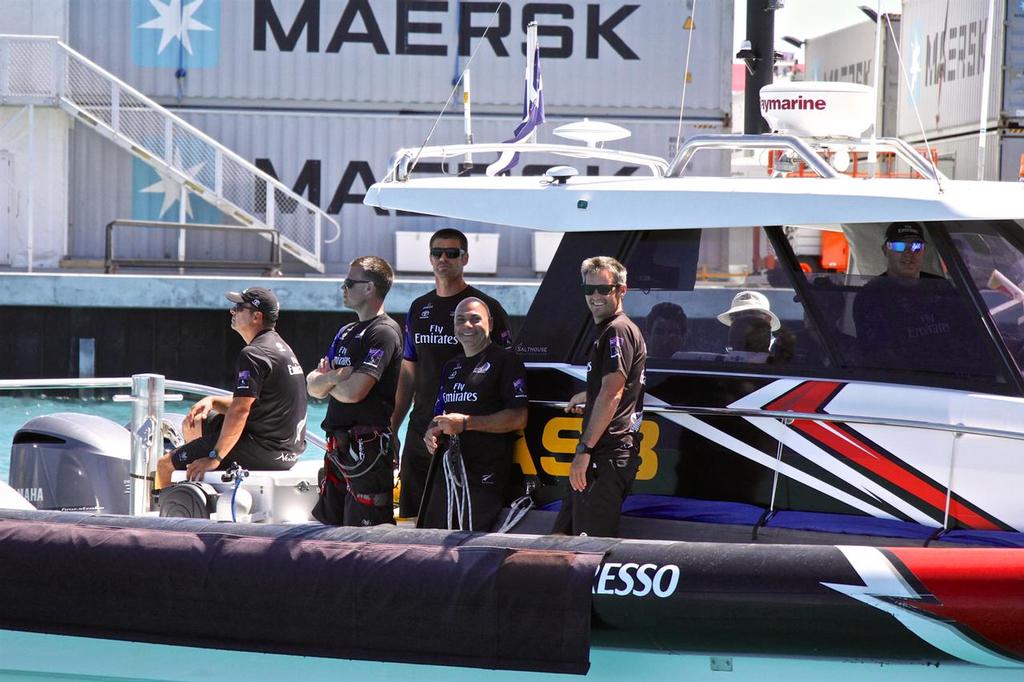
(804, 149)
(815, 416)
(401, 163)
(731, 142)
(126, 382)
(272, 234)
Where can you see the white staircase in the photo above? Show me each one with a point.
(42, 70)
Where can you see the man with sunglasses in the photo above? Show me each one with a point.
(262, 425)
(360, 375)
(607, 457)
(430, 342)
(901, 315)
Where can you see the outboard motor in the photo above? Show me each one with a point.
(72, 462)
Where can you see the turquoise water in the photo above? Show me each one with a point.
(16, 410)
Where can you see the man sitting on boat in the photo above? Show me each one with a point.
(665, 330)
(263, 424)
(481, 405)
(903, 315)
(360, 375)
(607, 457)
(755, 332)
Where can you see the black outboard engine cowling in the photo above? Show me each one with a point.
(72, 462)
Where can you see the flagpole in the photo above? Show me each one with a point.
(467, 116)
(531, 53)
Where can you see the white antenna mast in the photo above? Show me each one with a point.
(872, 153)
(986, 84)
(686, 70)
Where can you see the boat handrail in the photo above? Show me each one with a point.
(400, 164)
(803, 148)
(958, 429)
(126, 382)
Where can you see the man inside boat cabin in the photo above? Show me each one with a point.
(263, 424)
(903, 313)
(481, 406)
(429, 344)
(360, 375)
(607, 456)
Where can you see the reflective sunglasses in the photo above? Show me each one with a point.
(450, 254)
(239, 307)
(900, 247)
(603, 289)
(349, 282)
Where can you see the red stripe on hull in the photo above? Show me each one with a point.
(979, 589)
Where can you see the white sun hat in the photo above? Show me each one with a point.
(750, 302)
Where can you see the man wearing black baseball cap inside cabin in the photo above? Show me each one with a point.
(262, 426)
(899, 312)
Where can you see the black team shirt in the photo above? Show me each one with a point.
(619, 347)
(372, 347)
(490, 381)
(430, 342)
(269, 372)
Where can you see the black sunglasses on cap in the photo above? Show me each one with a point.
(603, 289)
(450, 254)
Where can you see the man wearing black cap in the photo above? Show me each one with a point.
(263, 424)
(899, 314)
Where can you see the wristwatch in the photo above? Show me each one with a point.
(213, 455)
(584, 449)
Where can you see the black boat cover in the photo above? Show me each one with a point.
(477, 606)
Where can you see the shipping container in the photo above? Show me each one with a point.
(944, 50)
(34, 17)
(33, 186)
(957, 157)
(848, 55)
(331, 159)
(598, 56)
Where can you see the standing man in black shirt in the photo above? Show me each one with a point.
(607, 457)
(429, 344)
(263, 425)
(360, 374)
(482, 401)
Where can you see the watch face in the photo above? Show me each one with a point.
(213, 454)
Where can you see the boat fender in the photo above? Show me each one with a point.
(188, 500)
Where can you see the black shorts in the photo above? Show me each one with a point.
(486, 500)
(246, 452)
(596, 510)
(413, 473)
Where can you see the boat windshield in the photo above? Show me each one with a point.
(907, 317)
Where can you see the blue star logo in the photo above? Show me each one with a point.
(176, 33)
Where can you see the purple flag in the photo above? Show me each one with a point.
(533, 116)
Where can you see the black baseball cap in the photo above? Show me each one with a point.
(904, 232)
(263, 300)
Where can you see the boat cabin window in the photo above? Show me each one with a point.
(993, 254)
(897, 316)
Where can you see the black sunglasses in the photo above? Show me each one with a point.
(603, 289)
(239, 307)
(450, 254)
(349, 282)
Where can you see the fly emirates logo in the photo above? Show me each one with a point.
(435, 336)
(459, 394)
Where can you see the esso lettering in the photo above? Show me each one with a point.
(637, 580)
